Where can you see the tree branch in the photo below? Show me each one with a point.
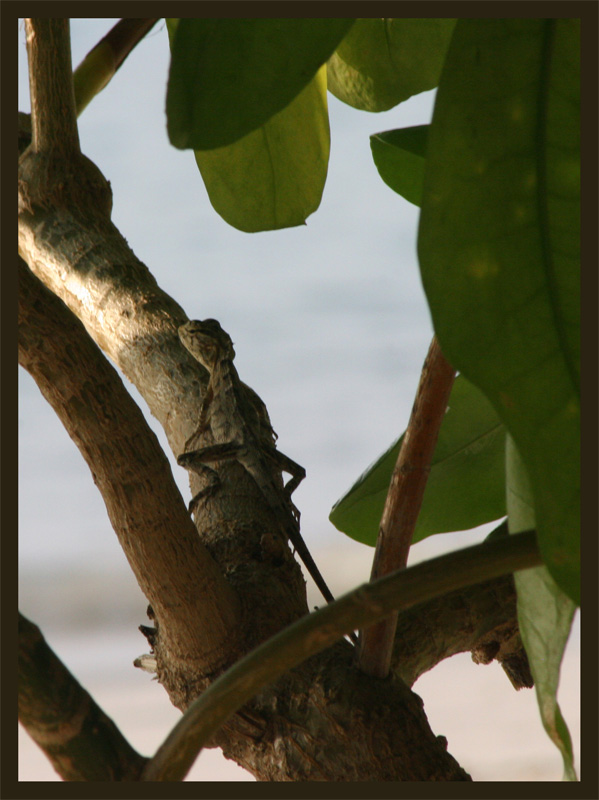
(310, 635)
(480, 619)
(101, 63)
(53, 172)
(80, 255)
(197, 610)
(54, 121)
(80, 740)
(404, 498)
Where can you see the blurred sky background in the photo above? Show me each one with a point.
(331, 327)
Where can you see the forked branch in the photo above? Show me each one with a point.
(321, 629)
(195, 606)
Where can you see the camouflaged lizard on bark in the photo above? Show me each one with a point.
(241, 431)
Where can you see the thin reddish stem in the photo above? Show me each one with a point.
(404, 498)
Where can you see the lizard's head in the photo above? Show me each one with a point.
(207, 342)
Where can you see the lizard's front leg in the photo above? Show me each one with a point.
(197, 461)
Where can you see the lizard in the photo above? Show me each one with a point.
(240, 430)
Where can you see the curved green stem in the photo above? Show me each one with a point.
(315, 632)
(100, 64)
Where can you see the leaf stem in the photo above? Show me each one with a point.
(404, 498)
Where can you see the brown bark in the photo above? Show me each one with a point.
(313, 634)
(324, 720)
(82, 743)
(146, 510)
(327, 721)
(258, 738)
(480, 619)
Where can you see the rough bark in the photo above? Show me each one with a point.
(315, 633)
(173, 568)
(82, 743)
(328, 721)
(325, 720)
(481, 620)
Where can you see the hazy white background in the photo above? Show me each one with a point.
(331, 328)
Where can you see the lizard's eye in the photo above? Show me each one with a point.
(211, 327)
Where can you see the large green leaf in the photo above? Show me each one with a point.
(499, 249)
(382, 62)
(400, 157)
(466, 484)
(273, 177)
(545, 613)
(229, 76)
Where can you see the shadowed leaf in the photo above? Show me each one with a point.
(499, 249)
(400, 158)
(466, 484)
(545, 614)
(229, 76)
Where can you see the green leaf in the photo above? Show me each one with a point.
(519, 498)
(172, 23)
(400, 158)
(273, 177)
(466, 484)
(230, 76)
(382, 62)
(499, 249)
(545, 614)
(545, 617)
